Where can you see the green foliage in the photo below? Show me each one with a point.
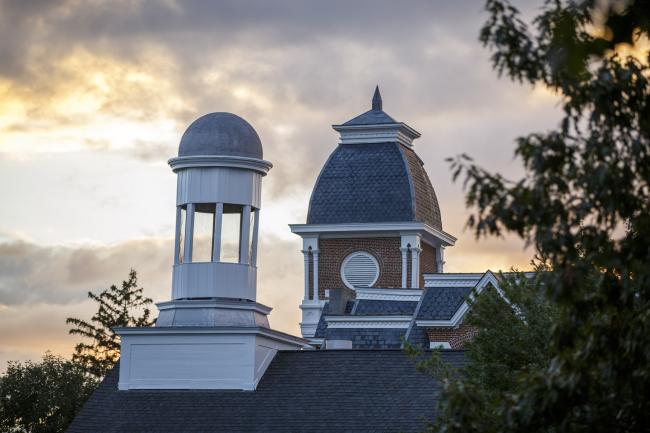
(118, 307)
(42, 397)
(584, 204)
(513, 330)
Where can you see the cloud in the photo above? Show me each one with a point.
(31, 273)
(40, 286)
(131, 75)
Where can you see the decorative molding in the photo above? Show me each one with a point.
(255, 164)
(313, 229)
(449, 283)
(355, 322)
(375, 135)
(216, 330)
(224, 303)
(451, 280)
(389, 294)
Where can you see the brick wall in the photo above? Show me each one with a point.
(456, 337)
(332, 252)
(427, 261)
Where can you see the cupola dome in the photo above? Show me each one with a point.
(374, 175)
(223, 134)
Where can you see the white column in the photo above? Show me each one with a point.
(315, 256)
(244, 239)
(256, 221)
(305, 254)
(189, 233)
(440, 259)
(404, 251)
(177, 236)
(216, 246)
(415, 267)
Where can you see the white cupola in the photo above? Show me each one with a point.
(212, 334)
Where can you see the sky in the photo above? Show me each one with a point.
(95, 95)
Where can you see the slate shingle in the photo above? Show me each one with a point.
(440, 303)
(368, 338)
(370, 307)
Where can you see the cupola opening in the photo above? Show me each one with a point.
(216, 232)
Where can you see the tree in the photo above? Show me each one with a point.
(513, 331)
(118, 307)
(42, 397)
(584, 205)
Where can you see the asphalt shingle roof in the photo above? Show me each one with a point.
(310, 391)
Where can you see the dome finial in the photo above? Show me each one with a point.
(376, 99)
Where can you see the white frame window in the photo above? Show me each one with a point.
(364, 265)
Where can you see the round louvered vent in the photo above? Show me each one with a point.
(359, 269)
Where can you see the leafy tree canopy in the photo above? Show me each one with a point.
(42, 397)
(583, 204)
(118, 307)
(512, 340)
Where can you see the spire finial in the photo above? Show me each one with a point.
(376, 100)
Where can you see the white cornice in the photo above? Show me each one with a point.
(376, 134)
(255, 164)
(442, 237)
(388, 294)
(451, 280)
(220, 330)
(354, 322)
(403, 127)
(208, 303)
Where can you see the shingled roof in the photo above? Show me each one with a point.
(371, 183)
(441, 303)
(308, 391)
(367, 307)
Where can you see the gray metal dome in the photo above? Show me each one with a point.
(223, 134)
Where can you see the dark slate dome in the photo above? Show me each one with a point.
(373, 183)
(223, 134)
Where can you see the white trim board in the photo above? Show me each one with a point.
(306, 229)
(412, 295)
(356, 322)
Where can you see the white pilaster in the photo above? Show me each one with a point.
(404, 251)
(177, 235)
(244, 242)
(415, 267)
(218, 218)
(315, 257)
(189, 233)
(256, 221)
(305, 254)
(440, 259)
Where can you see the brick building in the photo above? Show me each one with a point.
(374, 241)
